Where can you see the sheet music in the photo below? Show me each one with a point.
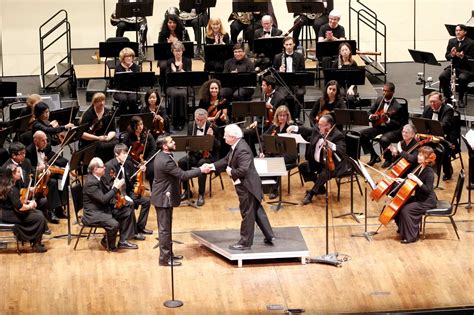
(367, 176)
(470, 138)
(298, 138)
(62, 182)
(261, 165)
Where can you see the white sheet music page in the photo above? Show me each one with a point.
(296, 136)
(261, 165)
(470, 137)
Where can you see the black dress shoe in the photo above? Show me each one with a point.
(146, 231)
(239, 247)
(373, 160)
(273, 195)
(408, 242)
(47, 232)
(168, 263)
(307, 198)
(177, 257)
(127, 245)
(386, 164)
(200, 201)
(447, 177)
(53, 218)
(139, 237)
(39, 248)
(60, 213)
(185, 195)
(269, 241)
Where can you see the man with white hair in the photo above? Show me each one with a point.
(239, 165)
(332, 30)
(267, 29)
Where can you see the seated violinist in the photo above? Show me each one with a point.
(387, 116)
(39, 153)
(217, 108)
(407, 147)
(161, 121)
(18, 158)
(281, 122)
(102, 128)
(327, 103)
(270, 95)
(409, 217)
(122, 168)
(199, 127)
(51, 129)
(101, 208)
(30, 224)
(143, 145)
(324, 158)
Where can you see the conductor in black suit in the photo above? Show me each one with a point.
(165, 194)
(239, 165)
(99, 208)
(320, 138)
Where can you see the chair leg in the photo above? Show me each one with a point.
(79, 236)
(18, 248)
(338, 184)
(455, 227)
(222, 183)
(289, 174)
(423, 230)
(210, 185)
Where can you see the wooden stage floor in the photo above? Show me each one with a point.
(380, 276)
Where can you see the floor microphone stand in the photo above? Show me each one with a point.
(368, 235)
(172, 303)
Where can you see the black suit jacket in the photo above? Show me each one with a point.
(274, 32)
(97, 199)
(395, 112)
(243, 168)
(466, 46)
(112, 169)
(31, 154)
(276, 100)
(298, 61)
(446, 118)
(167, 177)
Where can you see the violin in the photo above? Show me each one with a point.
(215, 110)
(158, 125)
(137, 151)
(382, 117)
(120, 199)
(329, 159)
(25, 192)
(139, 187)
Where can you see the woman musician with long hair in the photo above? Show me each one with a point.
(327, 103)
(153, 104)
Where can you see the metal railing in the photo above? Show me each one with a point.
(367, 17)
(48, 38)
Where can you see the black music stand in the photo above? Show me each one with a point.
(112, 50)
(127, 81)
(75, 134)
(218, 52)
(350, 117)
(270, 46)
(63, 115)
(280, 146)
(193, 143)
(345, 77)
(428, 126)
(4, 133)
(188, 5)
(331, 48)
(248, 109)
(147, 119)
(7, 89)
(423, 57)
(451, 28)
(251, 6)
(236, 79)
(20, 124)
(297, 78)
(162, 51)
(304, 6)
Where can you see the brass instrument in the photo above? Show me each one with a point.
(312, 16)
(114, 20)
(242, 17)
(187, 16)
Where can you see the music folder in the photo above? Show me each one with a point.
(162, 51)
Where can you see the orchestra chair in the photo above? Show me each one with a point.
(216, 175)
(469, 91)
(445, 209)
(9, 228)
(289, 168)
(456, 153)
(352, 139)
(77, 198)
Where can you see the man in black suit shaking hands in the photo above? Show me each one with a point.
(240, 167)
(165, 194)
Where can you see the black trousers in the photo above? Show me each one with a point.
(463, 78)
(165, 219)
(251, 211)
(196, 24)
(389, 136)
(144, 211)
(316, 23)
(186, 163)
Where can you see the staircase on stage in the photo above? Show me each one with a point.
(289, 243)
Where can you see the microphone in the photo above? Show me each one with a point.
(168, 195)
(264, 72)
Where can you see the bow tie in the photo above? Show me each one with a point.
(436, 112)
(200, 129)
(265, 33)
(287, 55)
(41, 150)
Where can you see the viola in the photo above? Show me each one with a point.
(215, 110)
(41, 187)
(120, 200)
(329, 154)
(269, 117)
(139, 187)
(158, 125)
(137, 151)
(321, 114)
(25, 192)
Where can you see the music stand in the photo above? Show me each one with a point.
(305, 6)
(351, 117)
(188, 5)
(428, 126)
(331, 48)
(112, 50)
(147, 119)
(162, 51)
(63, 115)
(423, 57)
(297, 78)
(20, 124)
(451, 28)
(248, 109)
(193, 143)
(76, 132)
(236, 79)
(218, 52)
(270, 46)
(280, 146)
(134, 80)
(4, 133)
(345, 77)
(7, 89)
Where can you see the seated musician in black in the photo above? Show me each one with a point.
(327, 103)
(142, 143)
(406, 148)
(41, 155)
(409, 217)
(281, 122)
(315, 19)
(101, 128)
(50, 128)
(127, 102)
(270, 95)
(161, 121)
(172, 30)
(18, 158)
(444, 113)
(316, 167)
(387, 116)
(240, 63)
(30, 224)
(113, 171)
(100, 207)
(267, 30)
(291, 61)
(178, 94)
(345, 61)
(200, 126)
(215, 35)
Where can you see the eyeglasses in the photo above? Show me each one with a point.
(101, 166)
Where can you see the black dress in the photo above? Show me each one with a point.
(409, 216)
(29, 225)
